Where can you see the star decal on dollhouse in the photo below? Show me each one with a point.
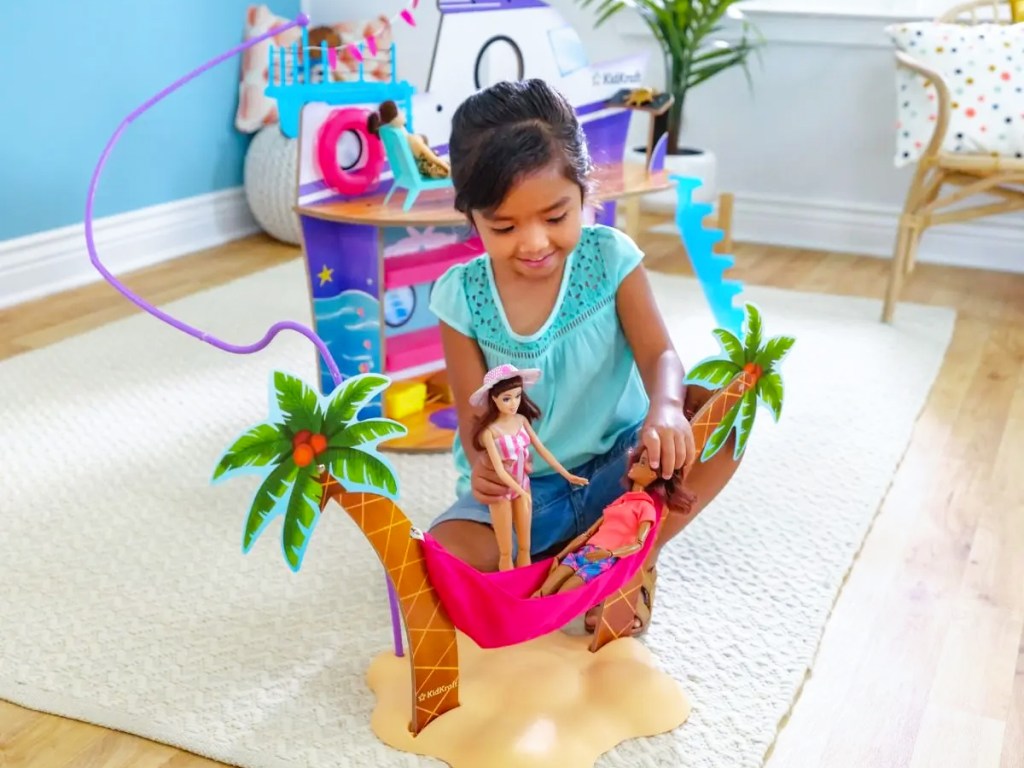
(325, 275)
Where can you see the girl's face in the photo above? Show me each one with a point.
(536, 226)
(508, 401)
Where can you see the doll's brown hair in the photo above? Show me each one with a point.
(676, 497)
(527, 408)
(386, 112)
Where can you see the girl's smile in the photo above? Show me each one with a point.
(536, 226)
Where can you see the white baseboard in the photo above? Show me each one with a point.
(995, 243)
(56, 260)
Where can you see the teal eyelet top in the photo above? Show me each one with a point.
(590, 391)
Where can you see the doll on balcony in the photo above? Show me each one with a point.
(430, 164)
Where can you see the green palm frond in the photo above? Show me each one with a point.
(349, 397)
(267, 503)
(717, 438)
(712, 373)
(298, 403)
(301, 516)
(773, 352)
(367, 433)
(293, 491)
(769, 391)
(752, 334)
(361, 470)
(746, 412)
(261, 445)
(731, 346)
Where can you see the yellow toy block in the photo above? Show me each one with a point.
(404, 398)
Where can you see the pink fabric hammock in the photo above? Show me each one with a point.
(495, 609)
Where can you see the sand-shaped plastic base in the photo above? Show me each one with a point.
(547, 703)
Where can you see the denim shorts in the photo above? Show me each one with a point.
(561, 511)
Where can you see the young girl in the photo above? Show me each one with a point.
(571, 300)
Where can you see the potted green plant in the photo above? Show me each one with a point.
(687, 32)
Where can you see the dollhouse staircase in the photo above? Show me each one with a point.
(708, 266)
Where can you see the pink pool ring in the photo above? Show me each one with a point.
(358, 180)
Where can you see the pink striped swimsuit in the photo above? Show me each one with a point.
(513, 450)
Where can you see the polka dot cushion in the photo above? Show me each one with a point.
(983, 66)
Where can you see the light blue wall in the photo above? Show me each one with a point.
(82, 66)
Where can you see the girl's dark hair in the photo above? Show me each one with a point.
(386, 112)
(677, 498)
(507, 131)
(527, 408)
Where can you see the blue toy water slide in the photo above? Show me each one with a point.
(708, 266)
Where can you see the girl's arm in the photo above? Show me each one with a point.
(465, 367)
(492, 450)
(667, 434)
(549, 458)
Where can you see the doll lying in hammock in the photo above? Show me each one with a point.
(621, 530)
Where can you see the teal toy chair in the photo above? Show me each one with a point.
(403, 166)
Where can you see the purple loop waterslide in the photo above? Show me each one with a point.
(239, 349)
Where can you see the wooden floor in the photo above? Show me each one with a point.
(922, 661)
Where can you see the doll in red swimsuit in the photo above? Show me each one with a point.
(506, 433)
(621, 530)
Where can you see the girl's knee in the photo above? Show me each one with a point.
(471, 542)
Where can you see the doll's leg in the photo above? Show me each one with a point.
(554, 580)
(572, 582)
(501, 521)
(465, 529)
(522, 514)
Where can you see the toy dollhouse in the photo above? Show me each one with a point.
(372, 259)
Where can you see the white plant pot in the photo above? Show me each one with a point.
(700, 164)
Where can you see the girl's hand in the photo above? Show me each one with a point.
(487, 486)
(576, 479)
(668, 438)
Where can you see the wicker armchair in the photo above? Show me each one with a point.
(970, 174)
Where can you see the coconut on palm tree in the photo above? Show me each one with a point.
(307, 436)
(745, 374)
(314, 449)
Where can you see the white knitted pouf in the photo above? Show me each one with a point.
(270, 167)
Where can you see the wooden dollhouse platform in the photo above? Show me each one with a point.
(436, 208)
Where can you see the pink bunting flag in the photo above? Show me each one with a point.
(407, 16)
(371, 44)
(415, 3)
(355, 51)
(332, 57)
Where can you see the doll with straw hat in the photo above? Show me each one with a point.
(504, 430)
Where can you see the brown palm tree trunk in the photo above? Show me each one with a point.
(618, 611)
(433, 650)
(707, 419)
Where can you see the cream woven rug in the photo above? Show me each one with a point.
(126, 600)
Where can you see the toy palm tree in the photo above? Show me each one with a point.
(315, 449)
(746, 373)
